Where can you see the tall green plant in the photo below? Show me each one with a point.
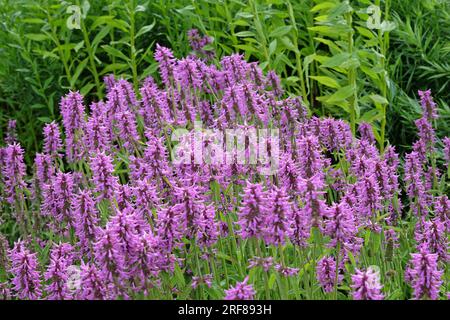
(351, 60)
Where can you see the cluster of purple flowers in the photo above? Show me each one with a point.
(126, 216)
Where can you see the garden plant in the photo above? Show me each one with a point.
(233, 150)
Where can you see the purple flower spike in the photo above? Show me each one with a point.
(61, 257)
(44, 168)
(424, 275)
(24, 267)
(366, 132)
(340, 224)
(166, 61)
(241, 291)
(274, 82)
(428, 105)
(52, 139)
(13, 171)
(86, 220)
(326, 273)
(104, 180)
(366, 285)
(278, 227)
(11, 132)
(93, 286)
(73, 114)
(253, 212)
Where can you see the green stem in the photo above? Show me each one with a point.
(132, 46)
(266, 277)
(62, 56)
(91, 56)
(336, 279)
(351, 76)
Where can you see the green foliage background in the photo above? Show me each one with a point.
(323, 50)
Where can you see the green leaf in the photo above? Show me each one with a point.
(370, 116)
(244, 34)
(280, 31)
(367, 238)
(36, 36)
(272, 47)
(145, 29)
(240, 22)
(292, 80)
(78, 71)
(378, 99)
(113, 67)
(342, 94)
(46, 54)
(33, 20)
(288, 44)
(78, 46)
(351, 258)
(246, 47)
(114, 52)
(112, 22)
(44, 119)
(329, 82)
(86, 89)
(365, 32)
(323, 5)
(181, 282)
(337, 60)
(38, 106)
(272, 279)
(100, 35)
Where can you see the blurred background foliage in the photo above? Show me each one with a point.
(324, 50)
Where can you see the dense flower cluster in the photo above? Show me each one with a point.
(241, 291)
(366, 285)
(107, 198)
